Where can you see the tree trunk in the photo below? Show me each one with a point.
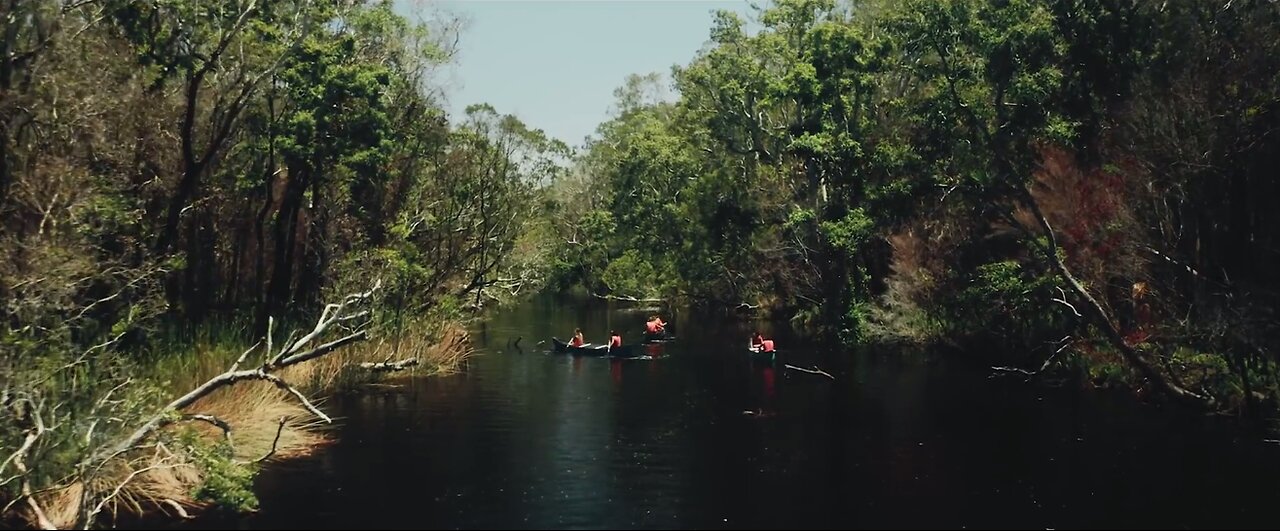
(7, 44)
(186, 188)
(286, 230)
(4, 165)
(200, 278)
(1098, 314)
(239, 247)
(207, 240)
(314, 258)
(192, 167)
(260, 225)
(263, 297)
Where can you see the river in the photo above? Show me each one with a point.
(699, 437)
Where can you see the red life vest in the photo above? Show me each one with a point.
(651, 327)
(577, 341)
(768, 345)
(615, 342)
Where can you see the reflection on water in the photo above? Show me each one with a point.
(698, 436)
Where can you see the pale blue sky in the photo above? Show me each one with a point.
(555, 63)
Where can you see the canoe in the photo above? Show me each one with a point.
(761, 356)
(668, 334)
(662, 337)
(593, 349)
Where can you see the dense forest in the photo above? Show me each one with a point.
(1080, 182)
(179, 179)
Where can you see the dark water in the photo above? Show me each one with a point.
(533, 440)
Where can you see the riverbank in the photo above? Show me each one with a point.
(206, 454)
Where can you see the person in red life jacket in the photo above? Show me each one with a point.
(577, 340)
(615, 340)
(760, 344)
(655, 326)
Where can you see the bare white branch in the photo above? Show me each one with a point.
(274, 443)
(271, 325)
(93, 514)
(814, 370)
(287, 356)
(28, 413)
(322, 349)
(221, 424)
(1066, 342)
(177, 507)
(390, 366)
(284, 386)
(244, 355)
(1063, 301)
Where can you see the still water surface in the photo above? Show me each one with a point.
(699, 437)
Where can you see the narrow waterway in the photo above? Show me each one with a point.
(700, 437)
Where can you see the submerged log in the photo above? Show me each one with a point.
(390, 366)
(625, 298)
(814, 370)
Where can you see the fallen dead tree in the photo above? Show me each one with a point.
(1065, 343)
(113, 465)
(292, 353)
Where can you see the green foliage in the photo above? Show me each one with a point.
(1008, 300)
(630, 275)
(338, 118)
(1108, 375)
(850, 233)
(1209, 371)
(226, 484)
(855, 330)
(798, 218)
